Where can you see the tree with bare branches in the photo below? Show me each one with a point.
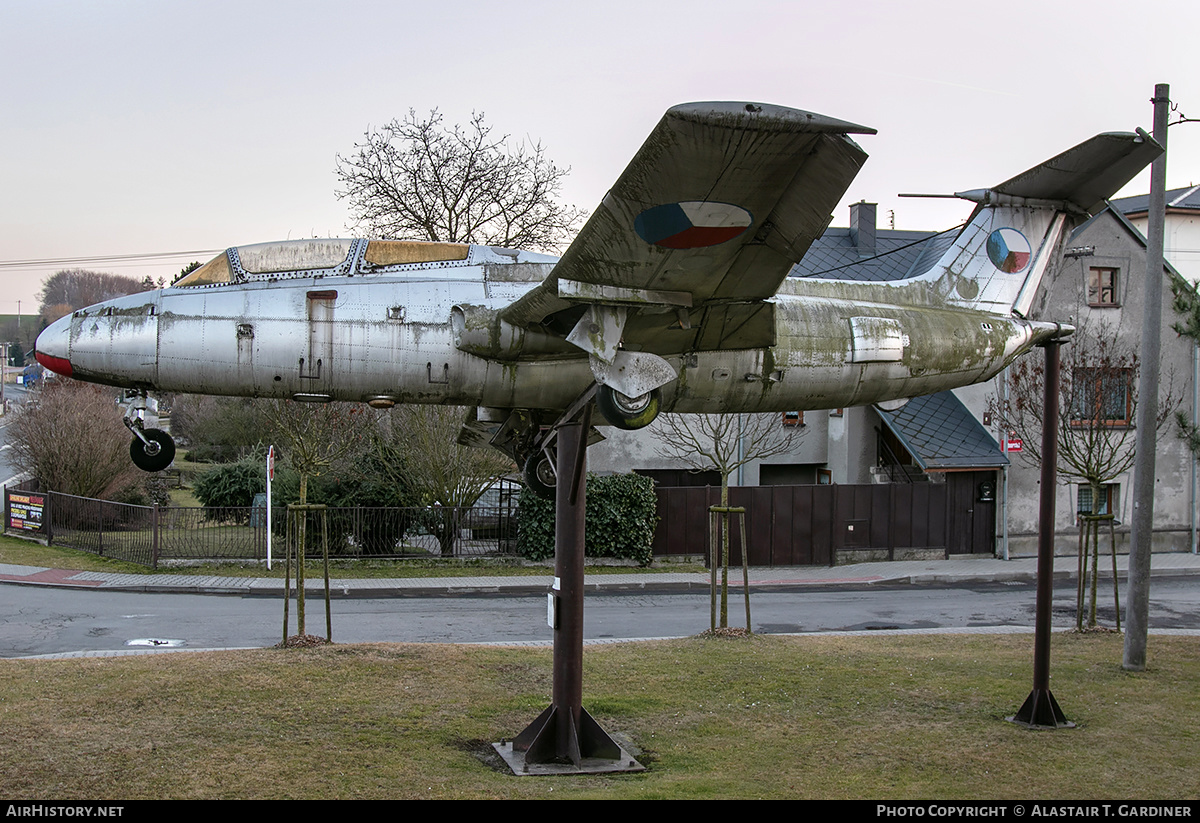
(417, 447)
(314, 437)
(70, 437)
(419, 179)
(1096, 435)
(70, 289)
(724, 443)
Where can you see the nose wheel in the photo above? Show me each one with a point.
(152, 450)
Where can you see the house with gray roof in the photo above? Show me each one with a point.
(1098, 285)
(1181, 235)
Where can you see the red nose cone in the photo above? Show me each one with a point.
(58, 365)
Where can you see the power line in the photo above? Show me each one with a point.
(105, 259)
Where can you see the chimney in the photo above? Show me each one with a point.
(862, 228)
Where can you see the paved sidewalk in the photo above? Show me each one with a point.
(955, 570)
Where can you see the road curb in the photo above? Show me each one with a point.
(957, 573)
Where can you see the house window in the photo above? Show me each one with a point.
(1102, 286)
(793, 418)
(1109, 494)
(1102, 397)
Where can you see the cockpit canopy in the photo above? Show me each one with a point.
(304, 258)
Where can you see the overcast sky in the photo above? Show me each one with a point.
(131, 128)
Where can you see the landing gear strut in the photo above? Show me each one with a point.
(151, 450)
(540, 467)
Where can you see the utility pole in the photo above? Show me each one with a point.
(1137, 612)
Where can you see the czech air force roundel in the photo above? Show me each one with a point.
(692, 224)
(1008, 250)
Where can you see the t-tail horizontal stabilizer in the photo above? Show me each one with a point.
(997, 262)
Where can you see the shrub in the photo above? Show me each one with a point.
(232, 484)
(619, 521)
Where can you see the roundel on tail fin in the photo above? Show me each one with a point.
(1008, 250)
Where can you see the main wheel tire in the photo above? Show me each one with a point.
(155, 455)
(628, 413)
(539, 475)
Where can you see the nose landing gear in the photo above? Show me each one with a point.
(151, 450)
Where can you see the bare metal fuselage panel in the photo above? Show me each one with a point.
(390, 335)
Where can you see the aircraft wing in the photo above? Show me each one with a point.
(704, 224)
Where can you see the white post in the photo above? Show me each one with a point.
(270, 476)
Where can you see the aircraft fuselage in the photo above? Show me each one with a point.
(389, 338)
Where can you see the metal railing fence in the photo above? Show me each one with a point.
(149, 535)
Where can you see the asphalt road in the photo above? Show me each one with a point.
(36, 621)
(16, 395)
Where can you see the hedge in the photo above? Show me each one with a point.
(620, 520)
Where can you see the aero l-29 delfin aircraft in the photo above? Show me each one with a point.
(674, 297)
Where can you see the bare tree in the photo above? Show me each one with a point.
(418, 446)
(418, 179)
(1096, 435)
(70, 437)
(70, 289)
(724, 443)
(314, 437)
(221, 429)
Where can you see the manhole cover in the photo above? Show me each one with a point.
(153, 641)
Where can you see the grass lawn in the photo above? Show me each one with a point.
(900, 717)
(30, 553)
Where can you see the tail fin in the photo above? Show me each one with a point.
(998, 260)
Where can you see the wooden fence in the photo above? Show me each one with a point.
(812, 525)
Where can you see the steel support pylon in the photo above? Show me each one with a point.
(564, 739)
(1040, 709)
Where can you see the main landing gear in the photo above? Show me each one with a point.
(540, 474)
(628, 413)
(151, 450)
(540, 467)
